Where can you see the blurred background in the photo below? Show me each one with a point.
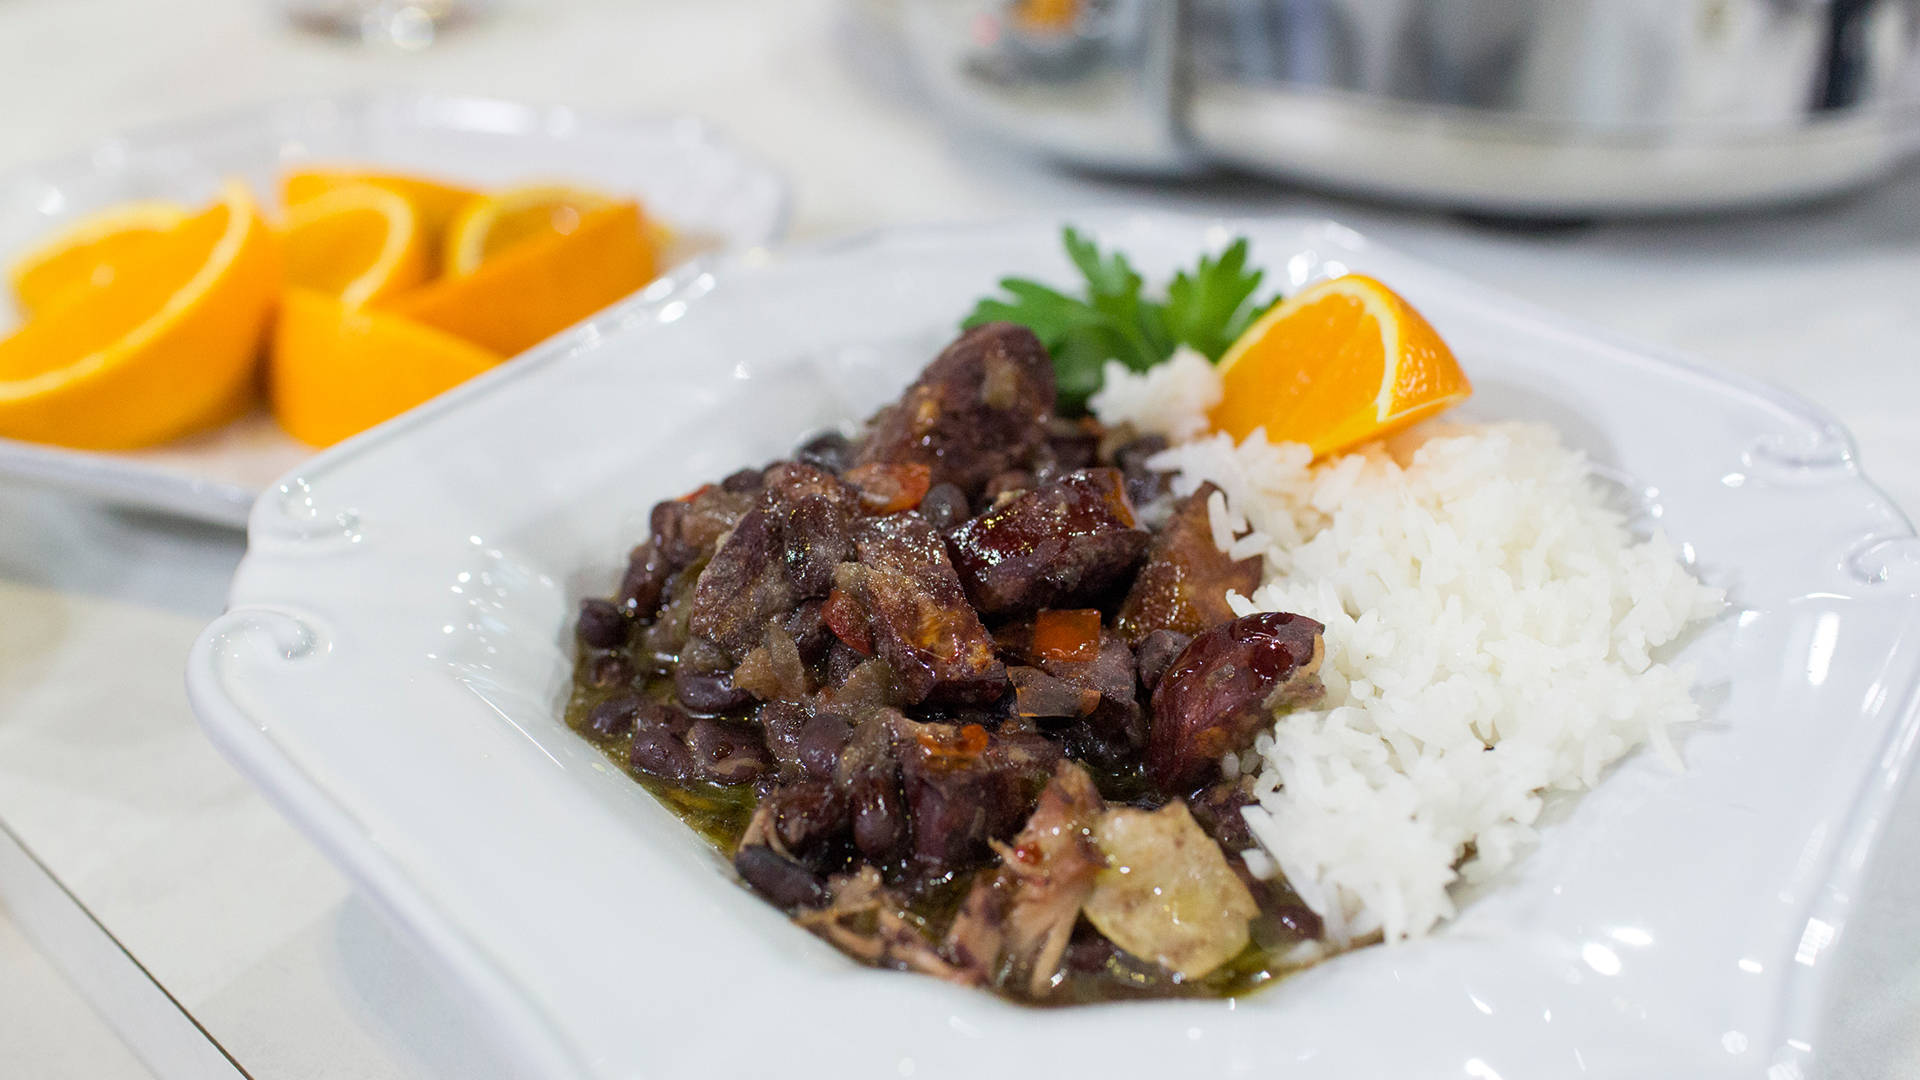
(1733, 180)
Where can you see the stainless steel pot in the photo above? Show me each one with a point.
(1504, 106)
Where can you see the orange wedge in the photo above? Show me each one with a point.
(167, 346)
(434, 203)
(1344, 361)
(538, 288)
(90, 252)
(359, 242)
(336, 370)
(491, 224)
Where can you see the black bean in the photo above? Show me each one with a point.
(645, 581)
(818, 747)
(614, 716)
(602, 625)
(879, 817)
(945, 506)
(828, 450)
(660, 753)
(808, 814)
(727, 753)
(609, 669)
(710, 693)
(782, 881)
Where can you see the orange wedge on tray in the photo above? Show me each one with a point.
(360, 243)
(166, 345)
(491, 224)
(541, 285)
(90, 252)
(336, 370)
(434, 203)
(1339, 363)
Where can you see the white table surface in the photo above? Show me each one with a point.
(105, 777)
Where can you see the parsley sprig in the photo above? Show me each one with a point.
(1205, 309)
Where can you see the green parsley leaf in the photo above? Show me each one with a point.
(1209, 309)
(1205, 309)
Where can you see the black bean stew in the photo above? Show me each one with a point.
(943, 696)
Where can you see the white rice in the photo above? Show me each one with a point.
(1490, 631)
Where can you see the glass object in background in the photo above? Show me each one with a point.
(407, 24)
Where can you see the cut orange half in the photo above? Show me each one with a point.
(89, 252)
(1343, 361)
(336, 370)
(491, 224)
(538, 288)
(167, 346)
(359, 242)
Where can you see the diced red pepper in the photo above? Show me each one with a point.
(696, 493)
(890, 488)
(1067, 634)
(847, 618)
(965, 745)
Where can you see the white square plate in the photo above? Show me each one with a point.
(398, 648)
(714, 196)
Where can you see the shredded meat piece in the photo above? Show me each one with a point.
(1016, 922)
(869, 923)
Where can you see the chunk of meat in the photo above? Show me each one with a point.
(965, 786)
(1095, 688)
(1016, 922)
(779, 553)
(1222, 690)
(1063, 544)
(743, 586)
(1167, 893)
(919, 622)
(1183, 584)
(775, 671)
(977, 411)
(1039, 695)
(686, 529)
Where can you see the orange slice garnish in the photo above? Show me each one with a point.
(1341, 362)
(542, 286)
(90, 252)
(359, 242)
(335, 370)
(165, 347)
(434, 203)
(491, 224)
